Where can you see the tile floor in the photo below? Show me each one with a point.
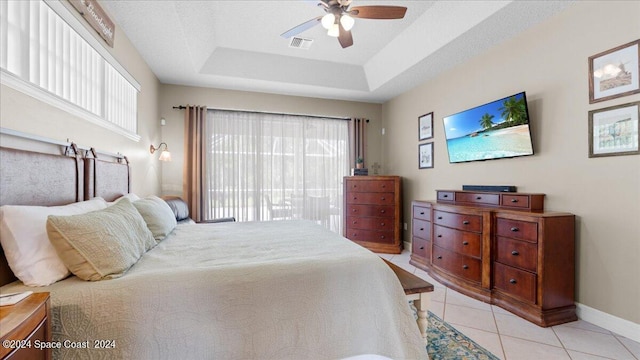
(512, 338)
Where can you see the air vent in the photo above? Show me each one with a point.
(300, 43)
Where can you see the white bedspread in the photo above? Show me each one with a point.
(257, 290)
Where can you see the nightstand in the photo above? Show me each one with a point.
(23, 325)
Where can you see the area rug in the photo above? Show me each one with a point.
(447, 343)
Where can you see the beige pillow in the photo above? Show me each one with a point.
(101, 244)
(158, 215)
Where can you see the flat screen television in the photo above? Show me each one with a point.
(499, 129)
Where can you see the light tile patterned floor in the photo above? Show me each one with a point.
(512, 338)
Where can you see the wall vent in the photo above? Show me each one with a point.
(300, 43)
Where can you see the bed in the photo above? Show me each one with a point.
(253, 290)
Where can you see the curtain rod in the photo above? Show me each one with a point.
(182, 107)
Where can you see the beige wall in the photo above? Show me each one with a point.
(24, 113)
(549, 62)
(173, 131)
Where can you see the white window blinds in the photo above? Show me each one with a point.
(39, 47)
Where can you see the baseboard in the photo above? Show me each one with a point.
(612, 323)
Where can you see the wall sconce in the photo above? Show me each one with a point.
(165, 155)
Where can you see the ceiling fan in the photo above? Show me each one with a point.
(338, 19)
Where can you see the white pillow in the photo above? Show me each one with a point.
(131, 196)
(23, 235)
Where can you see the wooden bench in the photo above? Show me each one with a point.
(417, 290)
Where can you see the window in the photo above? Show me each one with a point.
(40, 53)
(275, 167)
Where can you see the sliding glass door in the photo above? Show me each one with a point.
(265, 166)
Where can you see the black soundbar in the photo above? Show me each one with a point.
(492, 188)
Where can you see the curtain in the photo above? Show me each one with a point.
(357, 139)
(261, 166)
(194, 153)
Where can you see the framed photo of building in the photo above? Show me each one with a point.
(425, 126)
(425, 156)
(614, 130)
(614, 73)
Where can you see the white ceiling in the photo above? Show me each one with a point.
(237, 44)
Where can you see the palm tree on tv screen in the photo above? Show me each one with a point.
(514, 111)
(485, 121)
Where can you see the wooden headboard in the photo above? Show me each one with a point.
(33, 178)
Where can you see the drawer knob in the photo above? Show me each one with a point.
(382, 211)
(478, 197)
(514, 200)
(439, 257)
(466, 222)
(381, 236)
(354, 210)
(465, 243)
(439, 217)
(515, 253)
(515, 229)
(384, 185)
(421, 212)
(421, 229)
(513, 281)
(382, 198)
(421, 247)
(381, 224)
(439, 235)
(355, 222)
(445, 195)
(355, 198)
(465, 266)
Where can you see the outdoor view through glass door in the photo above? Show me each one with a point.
(264, 166)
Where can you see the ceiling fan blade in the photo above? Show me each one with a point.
(378, 12)
(302, 27)
(345, 38)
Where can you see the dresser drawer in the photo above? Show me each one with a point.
(370, 223)
(517, 229)
(458, 221)
(421, 229)
(445, 196)
(515, 282)
(457, 264)
(370, 186)
(371, 198)
(521, 254)
(516, 201)
(421, 212)
(371, 210)
(384, 237)
(421, 248)
(478, 198)
(463, 242)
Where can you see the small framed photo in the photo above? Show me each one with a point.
(614, 73)
(425, 156)
(614, 130)
(425, 126)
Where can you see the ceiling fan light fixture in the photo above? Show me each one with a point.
(347, 22)
(334, 31)
(328, 21)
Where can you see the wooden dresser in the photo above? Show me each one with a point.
(24, 324)
(373, 212)
(501, 248)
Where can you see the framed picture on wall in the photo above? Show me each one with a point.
(425, 156)
(425, 126)
(614, 130)
(614, 73)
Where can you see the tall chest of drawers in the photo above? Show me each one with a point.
(501, 248)
(373, 212)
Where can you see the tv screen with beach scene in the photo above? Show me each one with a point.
(499, 129)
